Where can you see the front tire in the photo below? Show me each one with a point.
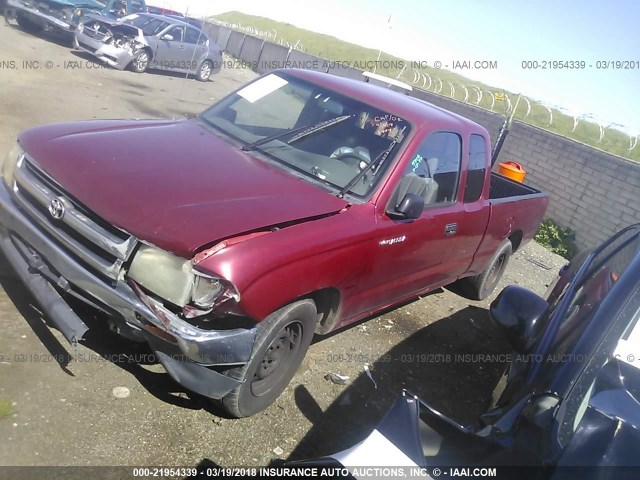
(483, 285)
(140, 62)
(281, 343)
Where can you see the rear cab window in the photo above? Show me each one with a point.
(477, 168)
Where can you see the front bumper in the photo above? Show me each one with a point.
(42, 18)
(47, 269)
(113, 56)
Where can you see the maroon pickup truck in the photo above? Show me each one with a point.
(298, 204)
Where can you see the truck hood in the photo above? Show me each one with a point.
(173, 184)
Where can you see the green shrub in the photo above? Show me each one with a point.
(558, 239)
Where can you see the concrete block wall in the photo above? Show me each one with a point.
(251, 48)
(590, 191)
(270, 56)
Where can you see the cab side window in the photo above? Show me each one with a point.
(434, 170)
(477, 167)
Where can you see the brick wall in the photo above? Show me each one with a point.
(592, 192)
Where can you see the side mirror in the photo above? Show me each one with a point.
(410, 208)
(168, 37)
(519, 312)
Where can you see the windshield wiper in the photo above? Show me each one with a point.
(379, 160)
(298, 133)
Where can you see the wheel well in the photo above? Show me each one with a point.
(516, 239)
(327, 302)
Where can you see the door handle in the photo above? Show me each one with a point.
(450, 229)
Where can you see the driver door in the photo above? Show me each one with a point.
(415, 255)
(170, 49)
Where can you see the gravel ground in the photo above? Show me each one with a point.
(65, 407)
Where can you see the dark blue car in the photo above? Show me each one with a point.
(568, 404)
(65, 15)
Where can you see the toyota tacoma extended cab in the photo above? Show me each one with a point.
(298, 204)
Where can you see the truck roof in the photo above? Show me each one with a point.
(418, 112)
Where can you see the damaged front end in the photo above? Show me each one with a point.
(113, 43)
(59, 249)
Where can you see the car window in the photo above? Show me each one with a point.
(137, 6)
(119, 8)
(436, 163)
(604, 271)
(621, 342)
(476, 170)
(194, 36)
(177, 33)
(149, 26)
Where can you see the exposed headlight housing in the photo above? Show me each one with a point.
(168, 276)
(174, 279)
(205, 290)
(15, 155)
(209, 291)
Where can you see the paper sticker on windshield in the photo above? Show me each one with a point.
(262, 88)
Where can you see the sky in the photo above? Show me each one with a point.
(508, 32)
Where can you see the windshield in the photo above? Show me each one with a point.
(149, 26)
(311, 130)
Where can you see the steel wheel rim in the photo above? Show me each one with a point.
(276, 361)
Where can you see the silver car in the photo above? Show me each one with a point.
(145, 41)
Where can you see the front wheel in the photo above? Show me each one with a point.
(140, 62)
(281, 343)
(204, 72)
(481, 286)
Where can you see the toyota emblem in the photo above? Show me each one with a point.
(56, 208)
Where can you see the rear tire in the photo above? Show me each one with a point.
(204, 71)
(483, 285)
(282, 341)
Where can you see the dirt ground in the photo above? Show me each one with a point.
(57, 406)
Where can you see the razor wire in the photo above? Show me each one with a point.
(468, 94)
(474, 95)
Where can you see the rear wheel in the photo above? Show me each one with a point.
(140, 62)
(481, 286)
(204, 72)
(27, 24)
(282, 341)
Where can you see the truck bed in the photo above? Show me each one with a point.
(502, 188)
